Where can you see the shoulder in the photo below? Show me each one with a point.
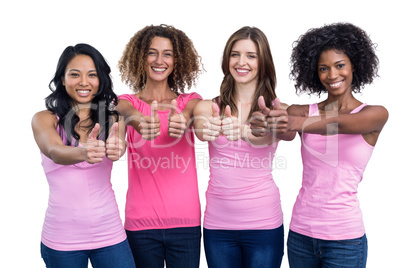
(376, 111)
(298, 110)
(131, 99)
(203, 107)
(44, 116)
(184, 98)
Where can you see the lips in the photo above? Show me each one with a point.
(158, 69)
(83, 93)
(242, 71)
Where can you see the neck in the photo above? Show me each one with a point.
(340, 103)
(156, 91)
(245, 93)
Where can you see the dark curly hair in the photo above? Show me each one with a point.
(187, 62)
(344, 37)
(62, 105)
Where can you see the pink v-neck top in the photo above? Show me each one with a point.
(241, 194)
(82, 211)
(327, 206)
(162, 177)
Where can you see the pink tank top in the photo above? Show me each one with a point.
(327, 206)
(162, 177)
(241, 193)
(82, 211)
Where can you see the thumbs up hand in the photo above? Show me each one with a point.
(150, 125)
(213, 124)
(115, 147)
(177, 122)
(94, 148)
(266, 120)
(277, 118)
(230, 125)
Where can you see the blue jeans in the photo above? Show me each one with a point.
(117, 256)
(179, 247)
(244, 248)
(307, 252)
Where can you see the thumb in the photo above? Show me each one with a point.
(94, 132)
(173, 108)
(228, 112)
(215, 109)
(154, 109)
(263, 106)
(113, 132)
(276, 104)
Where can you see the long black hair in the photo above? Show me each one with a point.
(61, 104)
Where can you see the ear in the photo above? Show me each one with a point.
(62, 81)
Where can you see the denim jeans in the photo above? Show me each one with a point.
(244, 248)
(307, 252)
(116, 256)
(178, 247)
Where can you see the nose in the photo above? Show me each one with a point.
(84, 81)
(159, 59)
(242, 60)
(333, 73)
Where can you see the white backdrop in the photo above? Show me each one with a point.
(34, 33)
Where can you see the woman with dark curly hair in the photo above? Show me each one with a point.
(79, 139)
(163, 214)
(338, 136)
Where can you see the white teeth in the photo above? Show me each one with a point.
(83, 91)
(242, 71)
(158, 69)
(335, 84)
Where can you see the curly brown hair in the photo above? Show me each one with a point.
(187, 63)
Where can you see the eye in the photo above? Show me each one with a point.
(73, 74)
(341, 65)
(234, 54)
(252, 56)
(168, 54)
(322, 69)
(93, 74)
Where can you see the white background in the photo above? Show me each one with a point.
(34, 33)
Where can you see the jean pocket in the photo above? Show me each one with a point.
(356, 241)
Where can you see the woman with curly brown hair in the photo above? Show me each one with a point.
(163, 214)
(338, 136)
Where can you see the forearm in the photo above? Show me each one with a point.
(66, 155)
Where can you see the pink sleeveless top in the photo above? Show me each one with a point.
(241, 193)
(327, 206)
(162, 177)
(82, 212)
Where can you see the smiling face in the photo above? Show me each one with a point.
(160, 59)
(335, 72)
(81, 79)
(243, 62)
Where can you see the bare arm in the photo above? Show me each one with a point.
(44, 125)
(369, 119)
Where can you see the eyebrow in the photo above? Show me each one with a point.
(337, 62)
(163, 50)
(76, 70)
(250, 52)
